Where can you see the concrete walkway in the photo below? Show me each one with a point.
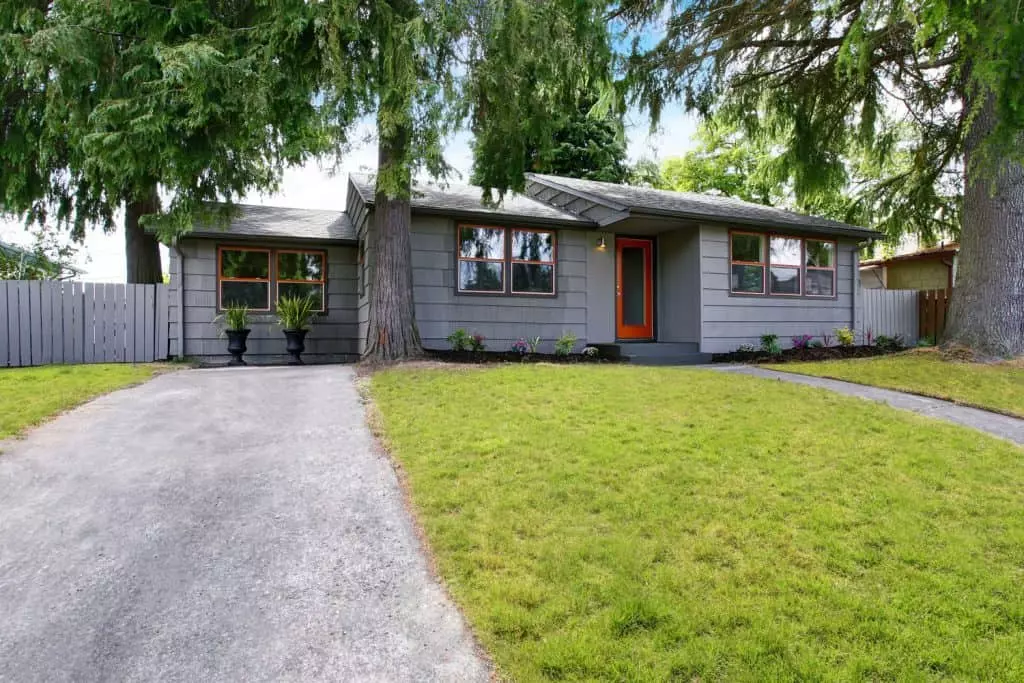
(217, 525)
(1003, 426)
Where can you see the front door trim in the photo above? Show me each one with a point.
(644, 332)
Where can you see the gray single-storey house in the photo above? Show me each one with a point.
(663, 274)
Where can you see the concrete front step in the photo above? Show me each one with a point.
(676, 359)
(657, 349)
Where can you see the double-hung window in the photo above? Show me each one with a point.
(257, 277)
(780, 265)
(513, 261)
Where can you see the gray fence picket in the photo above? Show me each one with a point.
(162, 332)
(46, 324)
(24, 323)
(78, 325)
(89, 322)
(140, 323)
(150, 323)
(4, 359)
(13, 326)
(35, 309)
(129, 325)
(109, 336)
(119, 323)
(68, 311)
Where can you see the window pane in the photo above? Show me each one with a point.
(819, 283)
(244, 264)
(748, 279)
(295, 289)
(301, 266)
(634, 286)
(821, 254)
(533, 246)
(252, 294)
(785, 251)
(481, 276)
(482, 243)
(747, 248)
(533, 277)
(785, 280)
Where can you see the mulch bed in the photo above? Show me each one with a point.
(800, 355)
(512, 357)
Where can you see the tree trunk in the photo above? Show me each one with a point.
(142, 249)
(986, 313)
(392, 334)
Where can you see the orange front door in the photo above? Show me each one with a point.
(634, 288)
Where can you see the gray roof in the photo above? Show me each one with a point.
(643, 200)
(467, 200)
(279, 222)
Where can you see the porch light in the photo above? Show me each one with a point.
(601, 243)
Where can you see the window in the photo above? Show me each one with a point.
(780, 265)
(748, 264)
(785, 256)
(820, 276)
(533, 262)
(301, 274)
(245, 278)
(506, 261)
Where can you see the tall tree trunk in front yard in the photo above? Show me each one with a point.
(392, 334)
(142, 249)
(987, 309)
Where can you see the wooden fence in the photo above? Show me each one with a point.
(891, 312)
(932, 310)
(44, 322)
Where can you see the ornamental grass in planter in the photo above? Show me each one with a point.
(235, 322)
(295, 315)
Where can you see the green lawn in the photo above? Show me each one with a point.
(998, 386)
(29, 396)
(647, 524)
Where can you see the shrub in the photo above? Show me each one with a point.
(770, 344)
(817, 344)
(520, 346)
(565, 344)
(890, 343)
(844, 335)
(476, 342)
(926, 341)
(801, 341)
(747, 348)
(534, 344)
(590, 351)
(235, 317)
(826, 339)
(295, 312)
(459, 340)
(869, 338)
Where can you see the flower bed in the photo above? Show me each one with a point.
(801, 354)
(513, 357)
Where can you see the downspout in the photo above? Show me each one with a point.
(180, 299)
(855, 298)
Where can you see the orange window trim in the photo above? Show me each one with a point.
(506, 261)
(221, 279)
(322, 281)
(833, 268)
(763, 264)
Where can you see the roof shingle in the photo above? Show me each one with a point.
(275, 222)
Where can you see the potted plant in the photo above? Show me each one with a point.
(235, 320)
(295, 314)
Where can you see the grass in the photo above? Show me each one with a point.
(647, 524)
(993, 386)
(29, 396)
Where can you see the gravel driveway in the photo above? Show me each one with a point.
(230, 524)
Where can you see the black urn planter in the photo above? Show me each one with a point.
(236, 345)
(296, 344)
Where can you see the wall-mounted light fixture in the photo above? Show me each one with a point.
(601, 243)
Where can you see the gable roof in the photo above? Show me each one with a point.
(626, 200)
(467, 201)
(919, 255)
(271, 222)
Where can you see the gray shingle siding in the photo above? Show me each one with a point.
(502, 319)
(730, 321)
(334, 337)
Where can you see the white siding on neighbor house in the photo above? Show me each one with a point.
(501, 319)
(333, 337)
(730, 321)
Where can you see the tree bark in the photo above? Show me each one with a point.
(142, 249)
(393, 334)
(986, 313)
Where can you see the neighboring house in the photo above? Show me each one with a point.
(932, 268)
(613, 264)
(17, 263)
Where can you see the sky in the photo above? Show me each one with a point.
(101, 258)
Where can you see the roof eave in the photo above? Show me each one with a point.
(245, 237)
(851, 231)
